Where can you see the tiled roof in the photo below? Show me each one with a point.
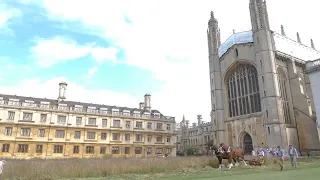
(54, 102)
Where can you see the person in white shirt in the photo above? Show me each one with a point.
(293, 154)
(1, 167)
(253, 153)
(261, 155)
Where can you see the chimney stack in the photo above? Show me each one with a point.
(194, 125)
(141, 105)
(62, 91)
(147, 102)
(199, 117)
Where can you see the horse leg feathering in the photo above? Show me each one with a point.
(237, 162)
(244, 162)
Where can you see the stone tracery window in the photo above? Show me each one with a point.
(243, 91)
(284, 96)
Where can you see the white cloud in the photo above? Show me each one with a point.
(6, 15)
(90, 73)
(101, 54)
(164, 30)
(48, 52)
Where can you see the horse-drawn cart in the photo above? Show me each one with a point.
(256, 161)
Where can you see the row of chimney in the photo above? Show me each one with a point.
(142, 105)
(199, 117)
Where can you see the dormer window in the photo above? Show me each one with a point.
(13, 102)
(1, 100)
(78, 108)
(104, 110)
(62, 107)
(115, 111)
(91, 109)
(28, 103)
(146, 114)
(156, 115)
(136, 113)
(126, 112)
(44, 104)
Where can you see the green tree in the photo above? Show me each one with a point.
(191, 151)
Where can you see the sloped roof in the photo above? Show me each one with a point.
(73, 103)
(291, 47)
(282, 43)
(237, 38)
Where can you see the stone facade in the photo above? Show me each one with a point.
(313, 69)
(260, 92)
(198, 135)
(46, 128)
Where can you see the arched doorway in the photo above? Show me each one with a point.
(247, 144)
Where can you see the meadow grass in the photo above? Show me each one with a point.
(124, 168)
(83, 168)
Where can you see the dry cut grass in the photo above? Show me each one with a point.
(34, 169)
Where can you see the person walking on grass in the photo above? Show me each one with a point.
(280, 157)
(293, 154)
(1, 168)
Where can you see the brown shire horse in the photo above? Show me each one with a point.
(235, 154)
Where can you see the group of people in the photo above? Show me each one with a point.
(279, 153)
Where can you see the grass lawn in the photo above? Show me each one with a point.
(175, 168)
(308, 170)
(311, 173)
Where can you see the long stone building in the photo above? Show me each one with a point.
(198, 135)
(260, 91)
(48, 128)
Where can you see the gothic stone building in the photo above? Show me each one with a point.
(197, 135)
(260, 92)
(313, 69)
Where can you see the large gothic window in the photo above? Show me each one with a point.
(284, 96)
(243, 91)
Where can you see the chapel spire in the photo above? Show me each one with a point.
(259, 15)
(213, 33)
(282, 31)
(298, 38)
(312, 44)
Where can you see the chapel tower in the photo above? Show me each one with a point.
(272, 109)
(217, 107)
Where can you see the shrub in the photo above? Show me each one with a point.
(191, 151)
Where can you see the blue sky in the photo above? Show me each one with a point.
(113, 52)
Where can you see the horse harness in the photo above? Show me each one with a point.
(224, 150)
